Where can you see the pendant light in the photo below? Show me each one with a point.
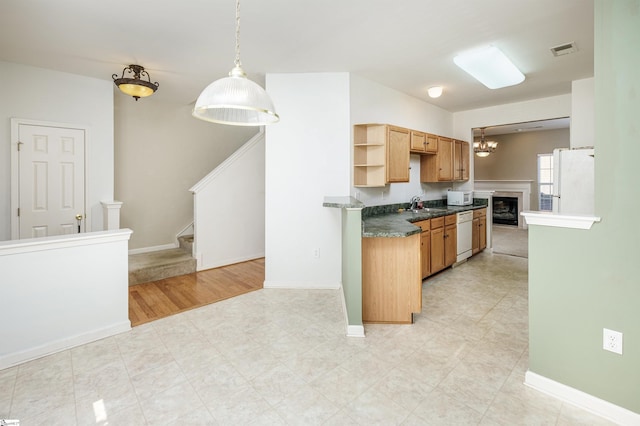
(136, 86)
(235, 100)
(484, 148)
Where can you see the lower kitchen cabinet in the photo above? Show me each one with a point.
(391, 279)
(443, 242)
(425, 247)
(437, 244)
(479, 231)
(450, 240)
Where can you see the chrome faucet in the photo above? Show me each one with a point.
(414, 202)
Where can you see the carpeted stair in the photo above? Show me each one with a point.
(157, 265)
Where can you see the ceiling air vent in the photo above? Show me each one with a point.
(564, 49)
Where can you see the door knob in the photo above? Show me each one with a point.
(79, 219)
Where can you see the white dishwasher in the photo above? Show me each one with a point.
(464, 230)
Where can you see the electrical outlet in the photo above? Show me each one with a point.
(612, 341)
(316, 253)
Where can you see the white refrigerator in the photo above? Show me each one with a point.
(573, 175)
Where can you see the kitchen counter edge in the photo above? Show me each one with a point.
(400, 224)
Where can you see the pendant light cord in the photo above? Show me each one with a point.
(237, 60)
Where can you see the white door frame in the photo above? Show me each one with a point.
(15, 188)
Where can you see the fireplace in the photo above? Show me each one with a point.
(505, 210)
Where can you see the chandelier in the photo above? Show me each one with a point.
(484, 148)
(235, 100)
(136, 86)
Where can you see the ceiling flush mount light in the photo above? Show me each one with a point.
(484, 148)
(435, 91)
(136, 87)
(235, 100)
(490, 67)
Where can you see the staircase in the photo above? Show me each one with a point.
(157, 265)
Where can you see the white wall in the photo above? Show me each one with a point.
(538, 109)
(160, 152)
(374, 103)
(583, 113)
(229, 209)
(46, 95)
(307, 158)
(77, 294)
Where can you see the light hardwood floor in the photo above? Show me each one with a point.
(159, 299)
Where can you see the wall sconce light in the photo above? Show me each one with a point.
(136, 87)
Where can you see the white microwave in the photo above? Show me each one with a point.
(459, 198)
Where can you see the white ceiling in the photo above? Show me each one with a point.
(407, 45)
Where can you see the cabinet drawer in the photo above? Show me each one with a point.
(437, 222)
(424, 224)
(479, 213)
(450, 220)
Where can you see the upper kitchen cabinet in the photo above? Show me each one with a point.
(450, 163)
(418, 142)
(380, 154)
(431, 144)
(461, 160)
(423, 143)
(398, 141)
(438, 167)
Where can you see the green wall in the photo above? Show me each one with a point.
(352, 264)
(583, 281)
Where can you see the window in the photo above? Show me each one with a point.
(545, 182)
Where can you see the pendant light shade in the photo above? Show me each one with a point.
(235, 100)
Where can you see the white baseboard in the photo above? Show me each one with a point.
(355, 331)
(187, 230)
(63, 344)
(352, 330)
(153, 248)
(581, 399)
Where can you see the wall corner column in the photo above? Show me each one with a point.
(351, 260)
(111, 214)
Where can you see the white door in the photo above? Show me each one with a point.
(51, 176)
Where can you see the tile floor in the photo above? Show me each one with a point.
(280, 357)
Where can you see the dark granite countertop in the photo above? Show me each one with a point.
(400, 224)
(342, 202)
